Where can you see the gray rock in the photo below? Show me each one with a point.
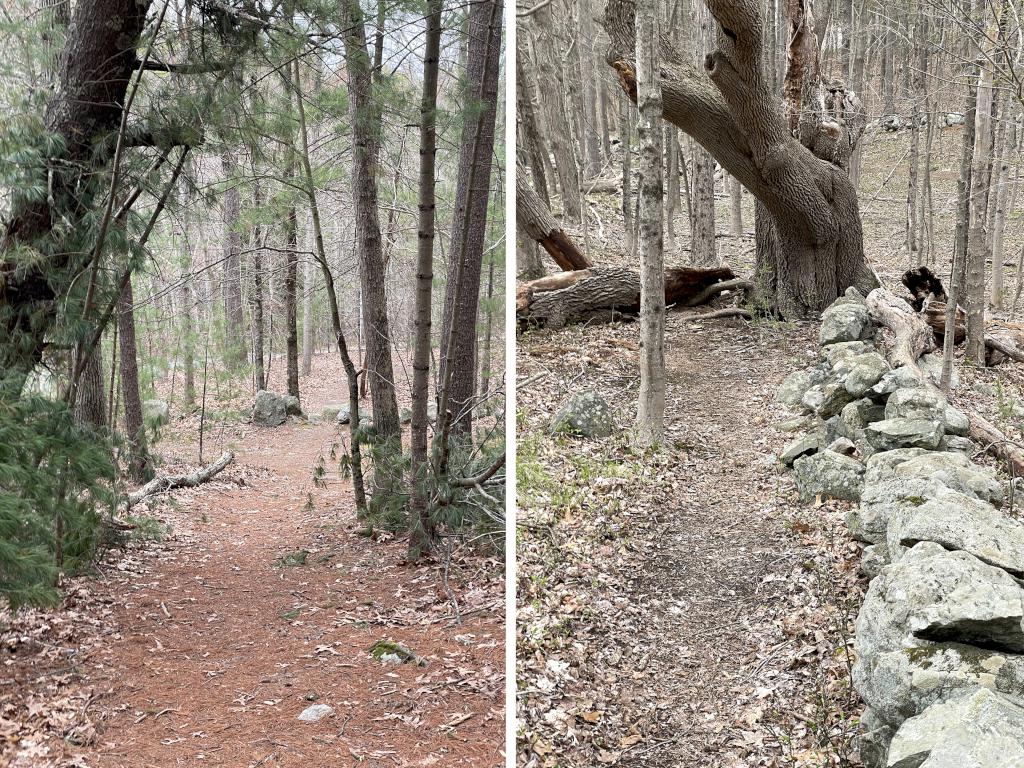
(943, 597)
(984, 388)
(843, 445)
(844, 321)
(932, 365)
(800, 447)
(853, 293)
(833, 353)
(975, 728)
(904, 682)
(268, 410)
(903, 377)
(155, 413)
(585, 414)
(874, 559)
(857, 415)
(873, 742)
(889, 434)
(405, 416)
(813, 398)
(828, 474)
(956, 444)
(315, 712)
(828, 430)
(960, 523)
(858, 373)
(331, 410)
(799, 423)
(345, 416)
(834, 397)
(956, 421)
(794, 386)
(292, 406)
(917, 403)
(882, 466)
(956, 472)
(882, 500)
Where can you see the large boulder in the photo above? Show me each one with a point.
(828, 474)
(933, 623)
(794, 386)
(932, 365)
(292, 406)
(903, 377)
(916, 403)
(844, 321)
(956, 421)
(826, 400)
(269, 409)
(932, 594)
(585, 414)
(331, 410)
(960, 523)
(890, 434)
(975, 728)
(345, 416)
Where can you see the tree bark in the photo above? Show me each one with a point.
(90, 400)
(650, 419)
(231, 282)
(92, 79)
(422, 529)
(365, 116)
(976, 235)
(809, 239)
(532, 142)
(462, 294)
(291, 283)
(257, 295)
(140, 467)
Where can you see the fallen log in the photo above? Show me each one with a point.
(996, 443)
(536, 222)
(170, 482)
(913, 337)
(602, 292)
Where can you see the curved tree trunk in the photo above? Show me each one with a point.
(807, 223)
(534, 220)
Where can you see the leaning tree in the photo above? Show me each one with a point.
(791, 150)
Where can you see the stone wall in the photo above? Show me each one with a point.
(940, 636)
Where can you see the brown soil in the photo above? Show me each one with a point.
(214, 645)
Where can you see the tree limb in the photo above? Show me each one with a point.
(170, 482)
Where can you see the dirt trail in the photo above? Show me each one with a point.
(715, 626)
(714, 581)
(218, 645)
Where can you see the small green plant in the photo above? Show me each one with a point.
(292, 559)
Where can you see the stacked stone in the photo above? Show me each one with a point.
(940, 637)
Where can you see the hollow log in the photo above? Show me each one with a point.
(602, 292)
(170, 482)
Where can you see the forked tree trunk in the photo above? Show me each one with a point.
(809, 241)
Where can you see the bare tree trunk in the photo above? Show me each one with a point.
(651, 403)
(308, 278)
(140, 467)
(291, 280)
(976, 238)
(532, 142)
(188, 340)
(737, 207)
(671, 183)
(462, 294)
(320, 254)
(231, 283)
(90, 401)
(365, 117)
(703, 252)
(627, 194)
(998, 224)
(485, 353)
(257, 293)
(421, 535)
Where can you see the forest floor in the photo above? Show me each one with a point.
(683, 608)
(264, 598)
